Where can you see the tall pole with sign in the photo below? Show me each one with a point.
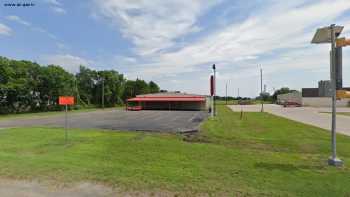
(329, 35)
(261, 91)
(65, 101)
(103, 93)
(214, 87)
(66, 125)
(334, 99)
(226, 93)
(212, 95)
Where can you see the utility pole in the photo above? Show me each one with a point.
(103, 93)
(238, 97)
(261, 91)
(226, 93)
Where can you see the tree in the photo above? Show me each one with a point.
(85, 80)
(27, 86)
(113, 83)
(54, 82)
(153, 87)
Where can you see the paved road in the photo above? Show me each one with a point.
(164, 121)
(308, 115)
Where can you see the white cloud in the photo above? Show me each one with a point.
(68, 62)
(278, 30)
(59, 10)
(5, 30)
(53, 2)
(153, 26)
(276, 34)
(18, 20)
(56, 6)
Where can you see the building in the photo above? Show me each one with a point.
(168, 101)
(321, 96)
(292, 97)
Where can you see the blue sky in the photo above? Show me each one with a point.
(175, 42)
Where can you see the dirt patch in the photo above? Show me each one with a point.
(22, 188)
(195, 137)
(19, 188)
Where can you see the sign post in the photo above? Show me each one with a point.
(212, 95)
(329, 35)
(66, 100)
(214, 89)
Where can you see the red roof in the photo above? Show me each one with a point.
(169, 98)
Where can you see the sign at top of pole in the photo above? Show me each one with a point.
(66, 100)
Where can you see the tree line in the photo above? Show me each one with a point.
(26, 86)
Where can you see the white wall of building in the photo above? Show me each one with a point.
(323, 102)
(294, 97)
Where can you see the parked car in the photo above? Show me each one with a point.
(134, 108)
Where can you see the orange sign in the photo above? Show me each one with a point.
(343, 94)
(342, 42)
(66, 100)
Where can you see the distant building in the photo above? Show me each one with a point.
(321, 96)
(292, 97)
(168, 101)
(324, 88)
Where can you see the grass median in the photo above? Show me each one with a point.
(52, 113)
(260, 155)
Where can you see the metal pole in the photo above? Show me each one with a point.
(212, 106)
(333, 160)
(214, 90)
(103, 93)
(238, 98)
(226, 93)
(66, 126)
(261, 91)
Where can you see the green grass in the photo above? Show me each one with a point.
(260, 155)
(344, 113)
(235, 102)
(339, 113)
(51, 113)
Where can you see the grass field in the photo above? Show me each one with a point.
(344, 113)
(260, 155)
(339, 113)
(235, 102)
(50, 113)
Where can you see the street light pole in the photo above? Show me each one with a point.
(333, 160)
(226, 93)
(261, 91)
(329, 35)
(103, 93)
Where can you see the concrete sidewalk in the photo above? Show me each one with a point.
(308, 115)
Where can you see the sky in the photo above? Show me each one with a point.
(175, 42)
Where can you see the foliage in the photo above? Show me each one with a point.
(27, 86)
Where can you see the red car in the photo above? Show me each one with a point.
(291, 104)
(134, 108)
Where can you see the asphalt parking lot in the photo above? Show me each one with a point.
(161, 121)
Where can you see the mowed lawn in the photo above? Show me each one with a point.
(260, 155)
(344, 113)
